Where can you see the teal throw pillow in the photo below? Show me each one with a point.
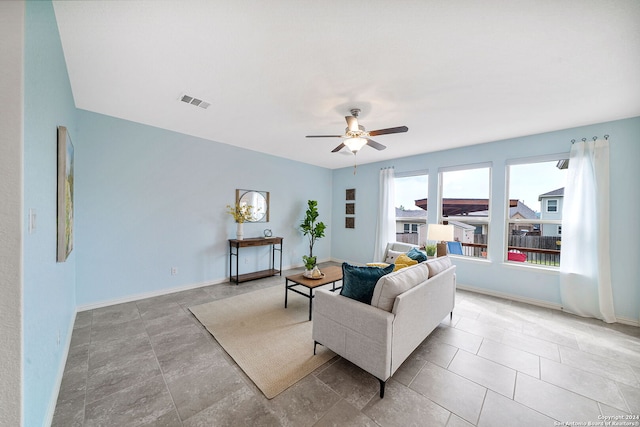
(358, 283)
(417, 255)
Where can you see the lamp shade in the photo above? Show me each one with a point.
(440, 232)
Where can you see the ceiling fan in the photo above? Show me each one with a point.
(357, 137)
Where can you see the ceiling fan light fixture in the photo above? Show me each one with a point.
(355, 144)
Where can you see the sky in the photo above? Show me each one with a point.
(527, 182)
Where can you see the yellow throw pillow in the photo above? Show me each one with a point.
(404, 261)
(377, 264)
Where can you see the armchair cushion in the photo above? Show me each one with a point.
(393, 284)
(358, 283)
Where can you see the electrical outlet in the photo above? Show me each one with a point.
(174, 271)
(246, 260)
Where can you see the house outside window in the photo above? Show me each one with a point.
(411, 219)
(465, 204)
(411, 228)
(534, 235)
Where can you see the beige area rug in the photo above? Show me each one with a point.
(271, 344)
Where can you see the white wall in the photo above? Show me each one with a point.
(494, 275)
(11, 124)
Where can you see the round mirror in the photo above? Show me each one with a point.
(258, 202)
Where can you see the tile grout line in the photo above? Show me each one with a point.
(155, 356)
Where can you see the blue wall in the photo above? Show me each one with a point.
(151, 199)
(495, 275)
(49, 287)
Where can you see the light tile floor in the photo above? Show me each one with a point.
(497, 363)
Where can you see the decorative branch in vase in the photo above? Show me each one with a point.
(241, 213)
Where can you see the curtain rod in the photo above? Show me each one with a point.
(595, 138)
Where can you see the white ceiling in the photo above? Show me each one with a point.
(456, 73)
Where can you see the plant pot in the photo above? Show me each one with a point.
(239, 231)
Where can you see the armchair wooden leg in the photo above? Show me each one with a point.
(382, 384)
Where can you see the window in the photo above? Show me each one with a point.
(411, 206)
(465, 204)
(534, 220)
(411, 228)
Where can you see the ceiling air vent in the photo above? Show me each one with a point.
(194, 101)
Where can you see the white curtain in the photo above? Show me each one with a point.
(386, 228)
(585, 272)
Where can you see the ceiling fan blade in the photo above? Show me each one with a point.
(373, 144)
(352, 123)
(338, 148)
(387, 131)
(325, 136)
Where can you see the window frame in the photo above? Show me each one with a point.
(416, 223)
(508, 221)
(478, 221)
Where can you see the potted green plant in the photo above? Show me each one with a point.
(314, 230)
(431, 251)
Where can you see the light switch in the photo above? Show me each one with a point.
(32, 220)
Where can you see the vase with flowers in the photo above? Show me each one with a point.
(241, 213)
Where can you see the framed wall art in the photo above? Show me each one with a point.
(350, 208)
(65, 195)
(350, 194)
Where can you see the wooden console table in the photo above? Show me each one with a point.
(274, 242)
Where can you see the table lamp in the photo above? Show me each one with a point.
(440, 233)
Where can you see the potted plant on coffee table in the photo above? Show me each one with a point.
(314, 230)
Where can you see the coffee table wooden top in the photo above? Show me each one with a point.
(331, 274)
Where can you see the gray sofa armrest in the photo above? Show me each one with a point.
(358, 332)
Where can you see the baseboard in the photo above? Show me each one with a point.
(158, 293)
(54, 398)
(137, 297)
(539, 303)
(627, 321)
(532, 301)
